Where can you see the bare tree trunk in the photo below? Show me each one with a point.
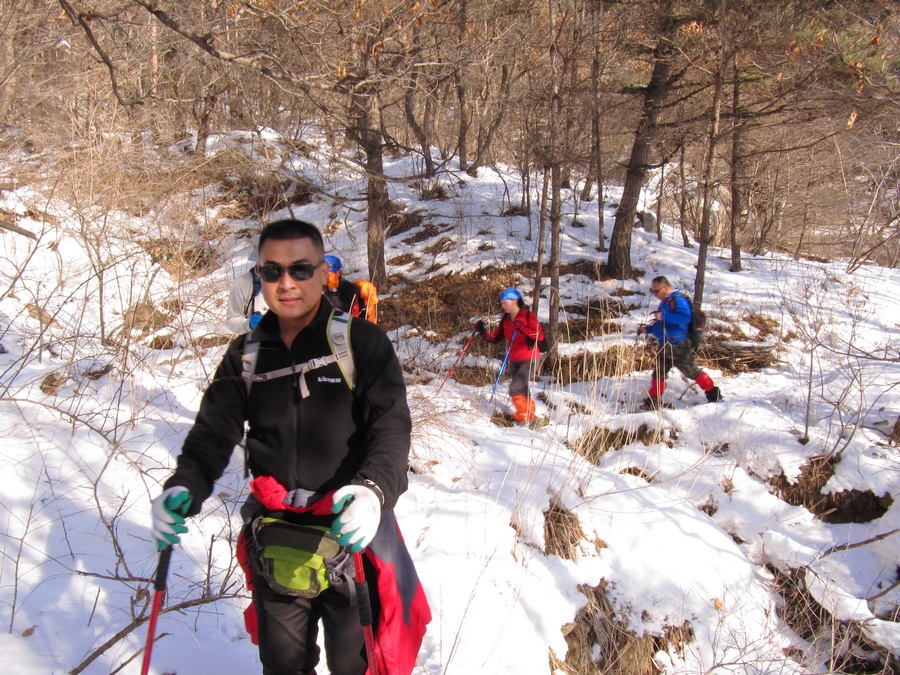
(596, 126)
(659, 198)
(555, 183)
(418, 131)
(461, 92)
(682, 201)
(542, 239)
(619, 260)
(737, 206)
(486, 136)
(366, 131)
(708, 178)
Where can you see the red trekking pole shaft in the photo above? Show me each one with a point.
(365, 612)
(159, 587)
(449, 372)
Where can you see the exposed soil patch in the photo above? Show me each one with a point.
(847, 506)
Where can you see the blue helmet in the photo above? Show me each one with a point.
(334, 263)
(510, 294)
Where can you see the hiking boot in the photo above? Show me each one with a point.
(714, 395)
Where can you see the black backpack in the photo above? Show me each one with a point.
(543, 344)
(697, 325)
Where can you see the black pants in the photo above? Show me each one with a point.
(679, 355)
(288, 628)
(520, 374)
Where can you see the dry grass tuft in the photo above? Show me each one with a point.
(620, 652)
(596, 442)
(562, 532)
(847, 506)
(850, 650)
(593, 366)
(179, 260)
(52, 383)
(445, 304)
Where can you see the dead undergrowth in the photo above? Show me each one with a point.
(597, 441)
(846, 506)
(599, 643)
(848, 648)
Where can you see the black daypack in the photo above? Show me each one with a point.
(543, 344)
(697, 325)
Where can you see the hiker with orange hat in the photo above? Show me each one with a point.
(520, 327)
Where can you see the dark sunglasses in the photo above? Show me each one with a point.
(299, 271)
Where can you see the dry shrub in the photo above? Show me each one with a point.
(847, 506)
(399, 223)
(562, 532)
(42, 315)
(620, 652)
(851, 651)
(52, 383)
(400, 261)
(593, 366)
(257, 191)
(444, 304)
(764, 325)
(430, 230)
(719, 353)
(181, 260)
(144, 318)
(473, 377)
(597, 441)
(442, 245)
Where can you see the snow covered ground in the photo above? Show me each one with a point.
(92, 417)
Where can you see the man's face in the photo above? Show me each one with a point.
(661, 291)
(290, 299)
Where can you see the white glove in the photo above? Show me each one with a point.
(360, 509)
(169, 510)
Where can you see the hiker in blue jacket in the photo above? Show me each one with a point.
(670, 328)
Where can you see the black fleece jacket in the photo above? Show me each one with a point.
(318, 443)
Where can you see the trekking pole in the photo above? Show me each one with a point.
(449, 372)
(503, 365)
(365, 612)
(159, 586)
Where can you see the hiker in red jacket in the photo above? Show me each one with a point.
(521, 328)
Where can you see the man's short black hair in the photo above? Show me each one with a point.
(661, 281)
(289, 228)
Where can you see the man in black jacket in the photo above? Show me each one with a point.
(320, 439)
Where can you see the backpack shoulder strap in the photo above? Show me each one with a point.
(249, 356)
(338, 330)
(339, 341)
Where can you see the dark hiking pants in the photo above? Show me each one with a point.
(520, 373)
(288, 628)
(681, 356)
